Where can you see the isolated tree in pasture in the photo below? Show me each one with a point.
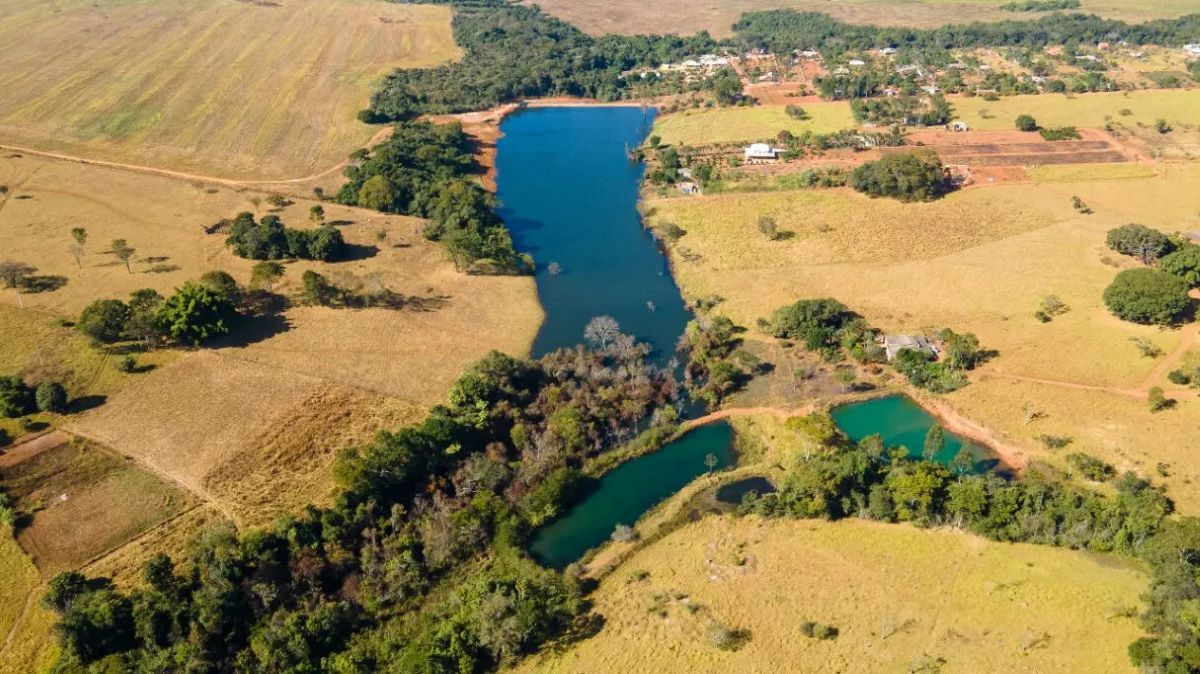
(79, 235)
(316, 215)
(14, 275)
(602, 331)
(1147, 296)
(265, 274)
(103, 320)
(1026, 123)
(124, 252)
(1139, 241)
(51, 397)
(196, 314)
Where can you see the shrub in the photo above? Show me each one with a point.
(1026, 123)
(51, 397)
(1179, 378)
(814, 630)
(1090, 467)
(1139, 241)
(16, 399)
(726, 638)
(1147, 296)
(1158, 401)
(1060, 133)
(908, 176)
(127, 364)
(802, 319)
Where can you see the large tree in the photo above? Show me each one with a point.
(1139, 241)
(1147, 296)
(196, 314)
(907, 176)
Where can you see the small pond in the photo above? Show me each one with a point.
(902, 422)
(734, 492)
(625, 493)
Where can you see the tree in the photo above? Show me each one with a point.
(265, 274)
(316, 215)
(1139, 241)
(1147, 296)
(14, 275)
(103, 320)
(602, 331)
(767, 225)
(1157, 400)
(1184, 263)
(377, 194)
(222, 283)
(962, 463)
(907, 176)
(51, 397)
(195, 314)
(846, 376)
(935, 442)
(141, 321)
(124, 252)
(16, 399)
(80, 236)
(1026, 123)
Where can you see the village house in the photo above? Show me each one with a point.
(757, 153)
(894, 344)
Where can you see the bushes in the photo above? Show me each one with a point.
(1026, 123)
(103, 320)
(16, 398)
(196, 314)
(1147, 296)
(903, 176)
(51, 397)
(1139, 241)
(1183, 263)
(271, 240)
(1090, 467)
(1060, 133)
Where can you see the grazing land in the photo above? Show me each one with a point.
(979, 260)
(264, 90)
(25, 636)
(1083, 110)
(727, 125)
(717, 16)
(898, 596)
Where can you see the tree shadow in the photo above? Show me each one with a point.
(354, 252)
(162, 269)
(85, 403)
(339, 223)
(254, 329)
(43, 284)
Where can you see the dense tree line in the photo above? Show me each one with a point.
(907, 110)
(513, 52)
(194, 314)
(871, 481)
(782, 31)
(419, 564)
(269, 239)
(427, 170)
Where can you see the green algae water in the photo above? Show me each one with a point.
(902, 422)
(569, 192)
(625, 493)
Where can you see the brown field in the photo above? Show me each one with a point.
(86, 501)
(216, 87)
(26, 643)
(979, 260)
(173, 537)
(1013, 148)
(717, 16)
(900, 597)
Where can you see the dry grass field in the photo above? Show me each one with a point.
(729, 125)
(26, 644)
(216, 87)
(717, 16)
(900, 597)
(86, 501)
(981, 260)
(1082, 110)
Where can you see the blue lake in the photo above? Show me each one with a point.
(902, 422)
(569, 194)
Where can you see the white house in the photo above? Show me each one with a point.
(856, 63)
(894, 344)
(759, 152)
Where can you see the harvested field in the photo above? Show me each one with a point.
(1013, 148)
(899, 597)
(717, 16)
(216, 87)
(174, 537)
(86, 502)
(1179, 106)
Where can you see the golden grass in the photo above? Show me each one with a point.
(1074, 173)
(717, 16)
(896, 594)
(1082, 110)
(728, 125)
(234, 89)
(174, 537)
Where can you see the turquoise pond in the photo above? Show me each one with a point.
(625, 493)
(569, 193)
(902, 422)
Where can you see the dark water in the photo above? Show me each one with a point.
(902, 422)
(628, 491)
(734, 492)
(569, 194)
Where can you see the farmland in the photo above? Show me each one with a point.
(263, 90)
(898, 596)
(980, 260)
(716, 16)
(1084, 110)
(725, 125)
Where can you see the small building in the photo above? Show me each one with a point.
(894, 344)
(761, 152)
(959, 126)
(888, 51)
(841, 70)
(856, 63)
(688, 187)
(810, 54)
(713, 61)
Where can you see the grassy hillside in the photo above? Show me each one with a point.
(899, 597)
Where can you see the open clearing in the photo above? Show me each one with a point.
(220, 87)
(727, 125)
(86, 502)
(979, 260)
(897, 595)
(1082, 110)
(717, 16)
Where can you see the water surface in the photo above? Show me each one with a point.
(628, 491)
(902, 422)
(569, 194)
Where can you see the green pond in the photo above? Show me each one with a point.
(625, 493)
(902, 422)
